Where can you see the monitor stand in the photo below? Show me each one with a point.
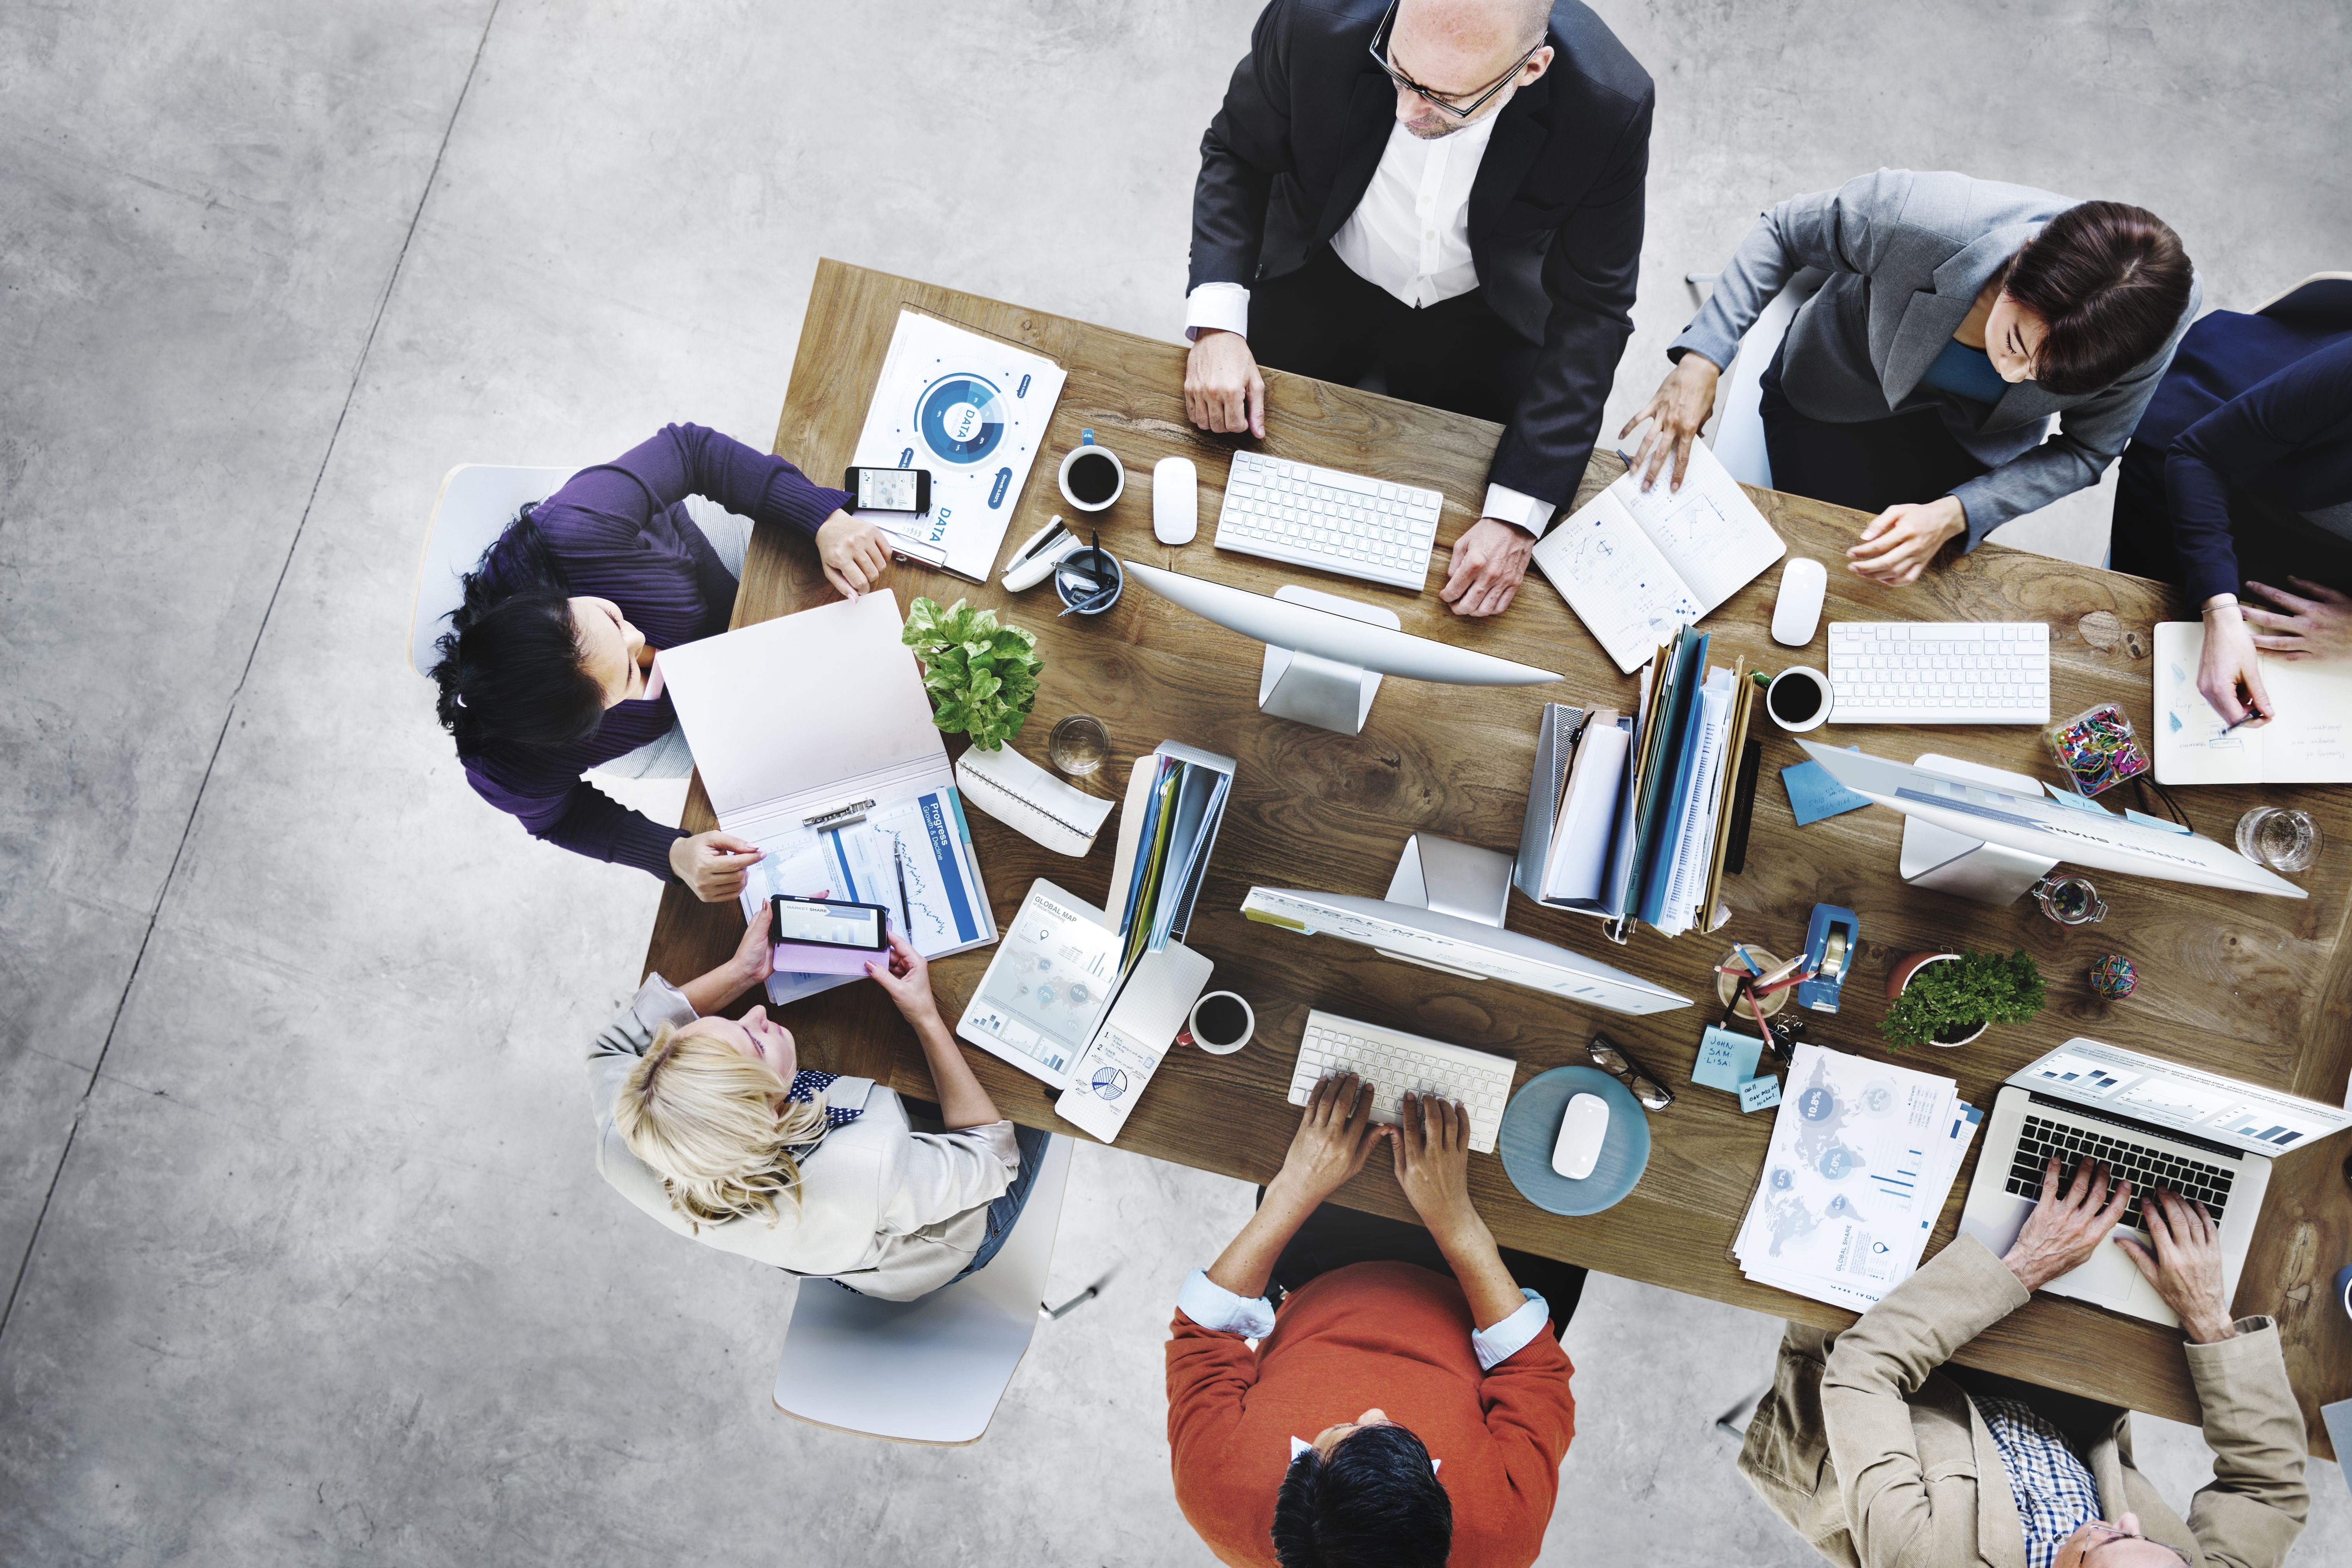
(1452, 879)
(1316, 691)
(1947, 862)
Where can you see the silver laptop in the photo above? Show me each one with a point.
(2159, 1126)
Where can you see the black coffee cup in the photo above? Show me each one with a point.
(1092, 477)
(1799, 697)
(1221, 1023)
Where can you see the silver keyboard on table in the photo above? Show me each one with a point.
(1329, 519)
(1940, 672)
(1396, 1064)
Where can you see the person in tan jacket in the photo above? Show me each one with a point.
(1880, 1453)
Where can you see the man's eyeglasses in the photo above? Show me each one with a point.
(1443, 103)
(1617, 1065)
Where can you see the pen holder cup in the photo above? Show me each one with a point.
(1089, 581)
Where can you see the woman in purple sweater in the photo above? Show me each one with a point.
(547, 671)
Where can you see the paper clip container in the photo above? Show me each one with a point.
(2098, 749)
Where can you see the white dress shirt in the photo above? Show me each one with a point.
(1218, 1309)
(1410, 236)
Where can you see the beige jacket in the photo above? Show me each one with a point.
(887, 1210)
(1878, 1459)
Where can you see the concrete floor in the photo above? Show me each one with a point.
(305, 1261)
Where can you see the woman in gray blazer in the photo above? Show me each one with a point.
(712, 1126)
(1957, 316)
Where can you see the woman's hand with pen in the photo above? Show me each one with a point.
(2229, 671)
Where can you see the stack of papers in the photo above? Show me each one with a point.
(1863, 1154)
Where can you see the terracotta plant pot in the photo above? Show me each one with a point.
(1899, 979)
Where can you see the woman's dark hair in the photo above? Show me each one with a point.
(2110, 281)
(509, 667)
(1373, 1503)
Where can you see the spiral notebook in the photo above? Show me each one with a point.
(1008, 787)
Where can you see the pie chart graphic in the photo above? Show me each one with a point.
(961, 418)
(1109, 1082)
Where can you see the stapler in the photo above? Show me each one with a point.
(1035, 560)
(1831, 940)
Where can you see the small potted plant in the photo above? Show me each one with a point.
(1950, 998)
(982, 676)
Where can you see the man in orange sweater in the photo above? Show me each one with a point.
(1391, 1416)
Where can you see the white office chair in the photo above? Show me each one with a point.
(1739, 438)
(476, 504)
(2326, 297)
(928, 1371)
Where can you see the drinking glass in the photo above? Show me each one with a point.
(1078, 745)
(2281, 839)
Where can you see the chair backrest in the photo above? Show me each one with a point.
(932, 1369)
(476, 504)
(2324, 298)
(1738, 439)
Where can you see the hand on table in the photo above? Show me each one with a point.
(2229, 666)
(2065, 1228)
(853, 551)
(713, 864)
(1678, 411)
(1898, 543)
(907, 979)
(1333, 1138)
(1223, 388)
(2187, 1268)
(2316, 624)
(1488, 561)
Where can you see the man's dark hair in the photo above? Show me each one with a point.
(509, 667)
(1374, 1503)
(2110, 281)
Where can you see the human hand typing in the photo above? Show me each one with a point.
(1334, 1137)
(1432, 1163)
(2186, 1268)
(2065, 1228)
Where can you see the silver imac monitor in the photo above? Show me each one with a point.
(2099, 838)
(1459, 946)
(1326, 655)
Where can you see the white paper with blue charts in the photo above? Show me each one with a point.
(1863, 1154)
(972, 409)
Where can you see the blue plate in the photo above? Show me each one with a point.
(1531, 1128)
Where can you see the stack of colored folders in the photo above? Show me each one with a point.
(1175, 802)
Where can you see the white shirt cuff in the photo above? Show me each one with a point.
(1220, 306)
(1218, 1309)
(1507, 1338)
(1509, 505)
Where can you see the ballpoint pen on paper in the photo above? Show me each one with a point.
(906, 916)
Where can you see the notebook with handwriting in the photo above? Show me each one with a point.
(2309, 741)
(1636, 567)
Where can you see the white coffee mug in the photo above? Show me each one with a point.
(1086, 448)
(1249, 1024)
(1803, 674)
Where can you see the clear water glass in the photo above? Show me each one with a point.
(2281, 839)
(1078, 745)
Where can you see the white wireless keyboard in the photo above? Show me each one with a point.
(1331, 520)
(1396, 1064)
(1940, 672)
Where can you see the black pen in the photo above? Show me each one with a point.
(906, 921)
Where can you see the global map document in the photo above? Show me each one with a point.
(1862, 1155)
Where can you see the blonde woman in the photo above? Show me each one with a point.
(709, 1125)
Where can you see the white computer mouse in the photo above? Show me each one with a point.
(1584, 1127)
(1175, 500)
(1797, 613)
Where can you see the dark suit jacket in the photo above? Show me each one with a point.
(1555, 213)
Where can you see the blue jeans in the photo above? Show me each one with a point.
(1003, 1211)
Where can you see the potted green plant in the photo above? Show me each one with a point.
(1950, 998)
(982, 676)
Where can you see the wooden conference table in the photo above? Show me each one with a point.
(2252, 986)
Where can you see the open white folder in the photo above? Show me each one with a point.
(815, 741)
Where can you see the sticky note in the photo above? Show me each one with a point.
(1814, 795)
(2080, 802)
(1760, 1094)
(2147, 821)
(1727, 1060)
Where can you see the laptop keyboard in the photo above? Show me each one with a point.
(2143, 1168)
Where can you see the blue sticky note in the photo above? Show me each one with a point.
(1814, 795)
(1760, 1094)
(2079, 802)
(1725, 1060)
(2147, 821)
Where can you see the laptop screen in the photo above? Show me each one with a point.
(2164, 1094)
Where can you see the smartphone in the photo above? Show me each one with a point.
(889, 490)
(829, 922)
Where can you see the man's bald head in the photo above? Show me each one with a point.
(1457, 48)
(1514, 25)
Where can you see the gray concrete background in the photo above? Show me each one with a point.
(305, 1260)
